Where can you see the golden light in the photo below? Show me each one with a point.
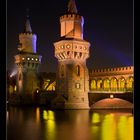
(15, 88)
(37, 114)
(95, 118)
(111, 96)
(125, 128)
(108, 128)
(45, 116)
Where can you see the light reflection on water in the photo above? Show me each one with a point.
(42, 124)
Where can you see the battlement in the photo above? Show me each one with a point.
(27, 35)
(112, 70)
(71, 17)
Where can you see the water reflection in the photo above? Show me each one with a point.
(42, 124)
(37, 115)
(50, 127)
(108, 127)
(125, 128)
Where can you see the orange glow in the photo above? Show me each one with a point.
(37, 114)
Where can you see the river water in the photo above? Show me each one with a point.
(39, 123)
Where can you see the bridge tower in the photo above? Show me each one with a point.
(27, 61)
(72, 50)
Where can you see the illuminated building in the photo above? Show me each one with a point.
(73, 81)
(72, 50)
(27, 61)
(114, 80)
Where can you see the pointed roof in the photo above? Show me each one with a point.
(72, 6)
(27, 28)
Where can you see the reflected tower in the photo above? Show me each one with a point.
(72, 51)
(27, 61)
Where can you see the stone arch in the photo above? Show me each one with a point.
(99, 84)
(106, 84)
(122, 83)
(93, 84)
(130, 83)
(114, 84)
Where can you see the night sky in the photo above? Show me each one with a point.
(108, 27)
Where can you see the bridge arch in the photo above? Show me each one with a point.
(109, 103)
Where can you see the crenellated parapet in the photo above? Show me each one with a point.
(72, 17)
(112, 71)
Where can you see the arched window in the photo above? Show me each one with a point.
(62, 70)
(78, 70)
(130, 83)
(99, 84)
(106, 84)
(122, 83)
(93, 85)
(114, 84)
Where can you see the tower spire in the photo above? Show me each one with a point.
(28, 28)
(72, 6)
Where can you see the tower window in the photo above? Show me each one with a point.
(78, 70)
(68, 46)
(77, 85)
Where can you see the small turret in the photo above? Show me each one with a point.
(27, 39)
(27, 61)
